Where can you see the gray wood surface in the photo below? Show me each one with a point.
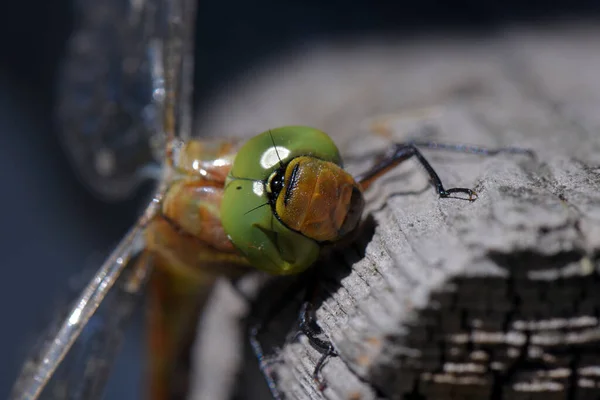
(446, 298)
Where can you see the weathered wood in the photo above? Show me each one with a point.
(445, 298)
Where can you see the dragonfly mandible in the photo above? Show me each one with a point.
(221, 206)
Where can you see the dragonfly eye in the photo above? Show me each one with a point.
(258, 177)
(275, 184)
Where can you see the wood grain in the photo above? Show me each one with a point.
(445, 298)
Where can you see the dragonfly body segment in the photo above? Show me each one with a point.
(191, 250)
(192, 205)
(187, 234)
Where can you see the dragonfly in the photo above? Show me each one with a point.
(222, 207)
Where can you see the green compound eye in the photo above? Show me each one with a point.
(246, 212)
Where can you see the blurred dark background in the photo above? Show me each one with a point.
(52, 228)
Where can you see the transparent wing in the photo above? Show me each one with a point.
(101, 344)
(105, 111)
(172, 23)
(146, 47)
(125, 83)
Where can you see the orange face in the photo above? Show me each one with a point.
(316, 198)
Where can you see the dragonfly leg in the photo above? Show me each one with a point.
(308, 326)
(401, 152)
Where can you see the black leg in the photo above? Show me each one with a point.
(403, 151)
(400, 153)
(308, 326)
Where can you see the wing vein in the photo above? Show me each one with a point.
(32, 381)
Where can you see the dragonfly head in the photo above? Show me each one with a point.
(286, 195)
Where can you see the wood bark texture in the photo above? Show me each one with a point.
(445, 298)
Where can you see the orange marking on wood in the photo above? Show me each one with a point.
(374, 341)
(381, 128)
(354, 396)
(363, 360)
